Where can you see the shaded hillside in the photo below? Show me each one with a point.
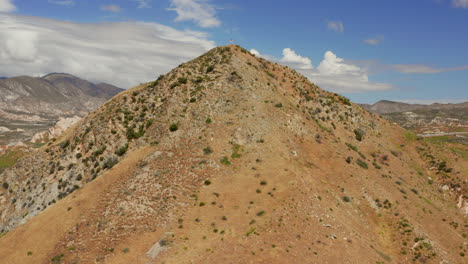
(233, 159)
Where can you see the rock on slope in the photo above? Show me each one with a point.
(232, 159)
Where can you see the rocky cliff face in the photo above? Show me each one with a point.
(231, 158)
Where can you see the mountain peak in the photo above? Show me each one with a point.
(230, 157)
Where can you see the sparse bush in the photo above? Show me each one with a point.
(174, 127)
(261, 213)
(208, 121)
(362, 164)
(207, 150)
(279, 105)
(182, 80)
(65, 144)
(5, 185)
(110, 162)
(359, 133)
(209, 69)
(207, 182)
(122, 150)
(346, 199)
(225, 161)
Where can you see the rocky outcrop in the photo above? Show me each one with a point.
(55, 131)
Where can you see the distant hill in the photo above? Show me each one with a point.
(425, 119)
(33, 104)
(230, 158)
(52, 96)
(385, 106)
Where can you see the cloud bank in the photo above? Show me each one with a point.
(120, 53)
(7, 6)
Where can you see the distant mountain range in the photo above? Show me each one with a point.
(386, 107)
(50, 97)
(424, 119)
(29, 105)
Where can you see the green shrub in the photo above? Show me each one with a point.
(279, 105)
(346, 199)
(209, 69)
(174, 127)
(225, 161)
(362, 164)
(359, 133)
(122, 150)
(207, 150)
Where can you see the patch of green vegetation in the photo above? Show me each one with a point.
(251, 231)
(362, 164)
(207, 150)
(359, 133)
(351, 146)
(57, 258)
(410, 136)
(225, 161)
(383, 255)
(3, 234)
(9, 159)
(122, 150)
(235, 151)
(173, 127)
(463, 152)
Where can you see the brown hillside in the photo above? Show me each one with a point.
(233, 159)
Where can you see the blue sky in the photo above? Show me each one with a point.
(368, 50)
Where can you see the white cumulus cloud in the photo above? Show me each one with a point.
(336, 26)
(112, 8)
(333, 73)
(291, 58)
(7, 6)
(120, 53)
(198, 11)
(460, 3)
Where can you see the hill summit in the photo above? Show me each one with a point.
(230, 158)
